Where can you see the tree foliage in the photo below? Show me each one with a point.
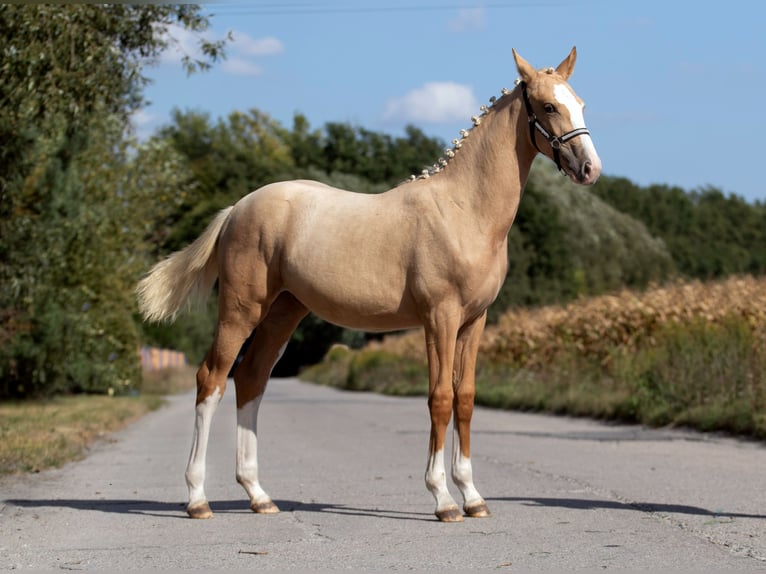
(75, 190)
(566, 243)
(85, 208)
(708, 234)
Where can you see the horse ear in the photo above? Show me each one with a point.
(526, 71)
(566, 67)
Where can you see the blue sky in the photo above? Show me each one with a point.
(675, 91)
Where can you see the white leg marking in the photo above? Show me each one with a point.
(247, 451)
(436, 482)
(195, 470)
(247, 447)
(462, 474)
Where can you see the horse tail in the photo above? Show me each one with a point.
(185, 277)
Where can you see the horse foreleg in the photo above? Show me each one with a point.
(440, 346)
(251, 377)
(465, 383)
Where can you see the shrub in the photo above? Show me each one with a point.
(685, 354)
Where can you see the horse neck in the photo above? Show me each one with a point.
(489, 171)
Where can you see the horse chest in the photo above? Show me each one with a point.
(476, 274)
(481, 284)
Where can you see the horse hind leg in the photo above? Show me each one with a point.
(250, 378)
(211, 384)
(208, 396)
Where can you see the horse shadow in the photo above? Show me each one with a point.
(171, 510)
(647, 507)
(176, 510)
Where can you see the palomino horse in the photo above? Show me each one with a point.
(430, 252)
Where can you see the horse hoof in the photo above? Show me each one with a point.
(449, 515)
(200, 510)
(477, 510)
(267, 507)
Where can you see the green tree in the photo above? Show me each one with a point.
(73, 190)
(708, 234)
(305, 144)
(566, 243)
(377, 157)
(540, 262)
(228, 160)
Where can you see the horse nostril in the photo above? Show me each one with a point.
(589, 172)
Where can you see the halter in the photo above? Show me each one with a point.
(554, 141)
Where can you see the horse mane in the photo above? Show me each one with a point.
(457, 143)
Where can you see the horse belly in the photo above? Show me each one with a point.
(352, 294)
(365, 320)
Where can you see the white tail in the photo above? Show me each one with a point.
(183, 278)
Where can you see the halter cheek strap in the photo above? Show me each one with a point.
(555, 141)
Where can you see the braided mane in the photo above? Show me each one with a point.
(457, 143)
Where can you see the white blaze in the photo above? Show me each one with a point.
(566, 98)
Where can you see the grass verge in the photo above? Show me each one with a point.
(38, 435)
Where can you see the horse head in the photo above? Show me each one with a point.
(555, 116)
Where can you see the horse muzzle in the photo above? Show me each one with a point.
(588, 172)
(581, 164)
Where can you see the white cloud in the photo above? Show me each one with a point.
(242, 50)
(469, 20)
(241, 67)
(181, 42)
(143, 123)
(141, 117)
(434, 102)
(246, 45)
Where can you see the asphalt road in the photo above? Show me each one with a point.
(347, 471)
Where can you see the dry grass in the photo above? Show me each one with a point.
(36, 435)
(686, 354)
(169, 381)
(599, 326)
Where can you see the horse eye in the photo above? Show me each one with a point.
(549, 108)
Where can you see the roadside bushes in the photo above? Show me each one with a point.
(370, 370)
(684, 354)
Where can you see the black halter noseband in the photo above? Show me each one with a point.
(554, 141)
